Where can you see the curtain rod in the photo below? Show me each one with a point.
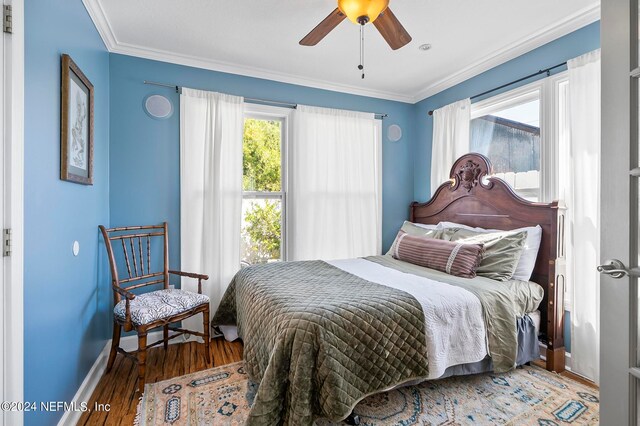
(546, 70)
(251, 100)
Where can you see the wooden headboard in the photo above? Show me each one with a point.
(472, 198)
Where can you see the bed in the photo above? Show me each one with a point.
(321, 336)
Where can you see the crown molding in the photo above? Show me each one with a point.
(548, 34)
(101, 22)
(561, 28)
(226, 67)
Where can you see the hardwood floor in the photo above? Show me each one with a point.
(570, 375)
(118, 387)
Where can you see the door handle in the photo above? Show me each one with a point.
(616, 269)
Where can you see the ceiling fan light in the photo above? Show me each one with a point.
(355, 9)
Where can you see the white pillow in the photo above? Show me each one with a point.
(529, 253)
(425, 225)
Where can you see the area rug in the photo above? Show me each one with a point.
(525, 396)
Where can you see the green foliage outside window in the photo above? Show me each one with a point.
(261, 232)
(261, 155)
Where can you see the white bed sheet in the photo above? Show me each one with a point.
(454, 326)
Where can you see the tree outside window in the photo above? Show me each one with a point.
(262, 173)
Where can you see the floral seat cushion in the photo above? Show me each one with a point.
(156, 305)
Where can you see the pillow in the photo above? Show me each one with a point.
(457, 259)
(424, 225)
(529, 254)
(502, 250)
(411, 228)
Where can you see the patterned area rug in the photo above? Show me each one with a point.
(527, 396)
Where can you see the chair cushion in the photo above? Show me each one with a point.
(156, 305)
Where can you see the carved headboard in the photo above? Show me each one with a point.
(475, 199)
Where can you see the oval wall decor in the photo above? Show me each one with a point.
(158, 107)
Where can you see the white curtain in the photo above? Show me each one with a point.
(450, 139)
(211, 129)
(334, 208)
(582, 195)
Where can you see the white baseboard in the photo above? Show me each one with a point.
(567, 361)
(71, 417)
(85, 391)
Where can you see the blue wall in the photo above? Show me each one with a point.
(66, 298)
(570, 46)
(144, 153)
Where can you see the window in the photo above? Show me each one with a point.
(520, 131)
(509, 135)
(264, 185)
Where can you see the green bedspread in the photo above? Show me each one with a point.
(318, 339)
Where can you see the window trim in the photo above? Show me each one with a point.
(284, 115)
(555, 131)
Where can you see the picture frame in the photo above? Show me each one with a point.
(76, 124)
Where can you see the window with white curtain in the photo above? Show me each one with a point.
(315, 172)
(525, 134)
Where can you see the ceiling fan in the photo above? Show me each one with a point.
(362, 12)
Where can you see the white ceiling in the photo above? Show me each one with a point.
(260, 38)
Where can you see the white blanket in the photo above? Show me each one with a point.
(454, 325)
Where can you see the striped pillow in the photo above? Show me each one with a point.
(457, 259)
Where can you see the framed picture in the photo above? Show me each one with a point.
(76, 124)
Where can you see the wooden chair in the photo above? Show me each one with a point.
(146, 311)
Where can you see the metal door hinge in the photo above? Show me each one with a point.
(7, 19)
(6, 242)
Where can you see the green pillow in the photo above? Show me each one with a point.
(417, 231)
(502, 250)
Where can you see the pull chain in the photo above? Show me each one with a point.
(361, 66)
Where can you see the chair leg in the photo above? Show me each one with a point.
(207, 339)
(166, 336)
(142, 358)
(115, 343)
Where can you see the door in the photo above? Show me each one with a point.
(11, 213)
(5, 136)
(619, 363)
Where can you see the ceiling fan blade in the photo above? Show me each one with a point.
(392, 30)
(323, 28)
